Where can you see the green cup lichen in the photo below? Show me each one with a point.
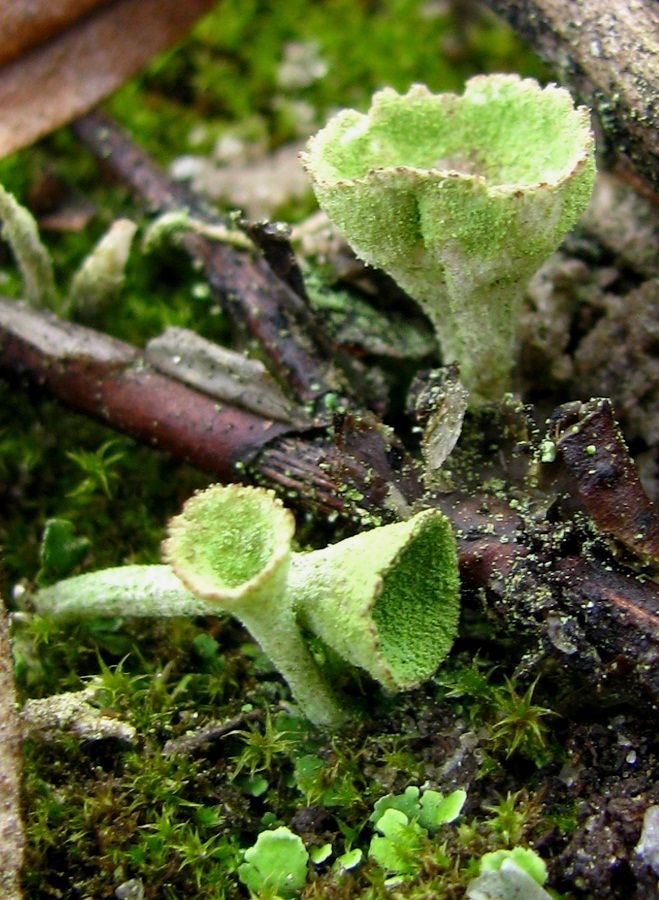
(386, 600)
(232, 546)
(460, 199)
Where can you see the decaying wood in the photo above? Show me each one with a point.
(11, 825)
(76, 66)
(608, 55)
(111, 381)
(27, 23)
(622, 624)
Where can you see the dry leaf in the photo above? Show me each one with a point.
(83, 57)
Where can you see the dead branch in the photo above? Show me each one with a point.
(111, 381)
(27, 23)
(608, 54)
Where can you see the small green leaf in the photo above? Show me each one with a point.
(436, 809)
(399, 849)
(349, 860)
(277, 862)
(431, 809)
(407, 803)
(319, 855)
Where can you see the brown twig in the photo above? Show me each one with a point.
(110, 381)
(595, 453)
(27, 23)
(199, 741)
(78, 65)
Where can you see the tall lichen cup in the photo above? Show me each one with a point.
(460, 199)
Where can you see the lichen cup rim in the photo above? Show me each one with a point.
(579, 158)
(282, 529)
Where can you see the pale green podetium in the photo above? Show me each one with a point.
(460, 199)
(386, 600)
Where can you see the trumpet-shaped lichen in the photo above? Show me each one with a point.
(460, 199)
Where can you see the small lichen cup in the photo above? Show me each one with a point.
(460, 199)
(232, 546)
(385, 600)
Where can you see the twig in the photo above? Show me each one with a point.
(82, 59)
(197, 742)
(26, 24)
(111, 381)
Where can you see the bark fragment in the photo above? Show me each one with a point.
(595, 453)
(11, 764)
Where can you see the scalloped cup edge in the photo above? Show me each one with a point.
(280, 551)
